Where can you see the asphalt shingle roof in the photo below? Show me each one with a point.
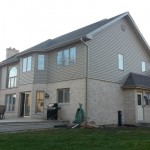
(136, 80)
(64, 39)
(74, 35)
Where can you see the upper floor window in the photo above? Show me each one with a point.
(27, 64)
(12, 77)
(120, 62)
(41, 62)
(143, 66)
(10, 102)
(66, 57)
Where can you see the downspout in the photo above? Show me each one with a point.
(87, 81)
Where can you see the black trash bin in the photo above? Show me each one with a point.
(119, 118)
(52, 112)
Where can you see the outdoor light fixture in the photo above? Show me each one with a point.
(46, 95)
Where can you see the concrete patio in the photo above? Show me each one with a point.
(23, 124)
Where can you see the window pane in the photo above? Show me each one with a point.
(13, 72)
(40, 101)
(60, 96)
(24, 64)
(10, 102)
(59, 58)
(29, 63)
(41, 61)
(66, 92)
(12, 82)
(66, 57)
(143, 66)
(73, 55)
(120, 58)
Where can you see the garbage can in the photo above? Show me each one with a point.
(119, 118)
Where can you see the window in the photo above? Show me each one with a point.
(12, 77)
(59, 58)
(63, 95)
(40, 101)
(27, 64)
(143, 66)
(120, 62)
(10, 102)
(66, 57)
(73, 55)
(147, 98)
(41, 62)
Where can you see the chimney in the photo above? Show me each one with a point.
(10, 52)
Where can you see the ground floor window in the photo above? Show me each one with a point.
(10, 102)
(147, 98)
(63, 95)
(40, 101)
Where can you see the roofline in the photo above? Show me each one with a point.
(135, 87)
(138, 33)
(89, 35)
(131, 22)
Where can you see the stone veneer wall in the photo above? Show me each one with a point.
(105, 100)
(68, 110)
(3, 93)
(129, 107)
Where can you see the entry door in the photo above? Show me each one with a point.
(140, 114)
(27, 104)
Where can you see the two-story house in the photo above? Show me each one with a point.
(104, 66)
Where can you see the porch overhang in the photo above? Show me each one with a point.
(137, 81)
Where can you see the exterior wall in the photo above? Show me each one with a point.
(147, 114)
(39, 87)
(41, 76)
(27, 77)
(3, 77)
(105, 47)
(3, 94)
(77, 95)
(57, 73)
(129, 107)
(105, 100)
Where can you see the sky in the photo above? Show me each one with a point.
(25, 23)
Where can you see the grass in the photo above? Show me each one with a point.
(78, 139)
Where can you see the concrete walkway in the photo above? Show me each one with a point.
(23, 124)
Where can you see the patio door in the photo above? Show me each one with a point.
(27, 104)
(140, 113)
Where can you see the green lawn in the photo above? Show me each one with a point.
(78, 139)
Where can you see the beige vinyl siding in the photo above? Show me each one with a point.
(26, 77)
(40, 76)
(104, 50)
(76, 71)
(3, 77)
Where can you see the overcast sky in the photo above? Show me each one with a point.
(25, 23)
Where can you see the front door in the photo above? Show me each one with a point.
(140, 113)
(27, 104)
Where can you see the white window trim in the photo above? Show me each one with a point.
(121, 62)
(63, 60)
(64, 102)
(143, 66)
(26, 65)
(9, 104)
(38, 62)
